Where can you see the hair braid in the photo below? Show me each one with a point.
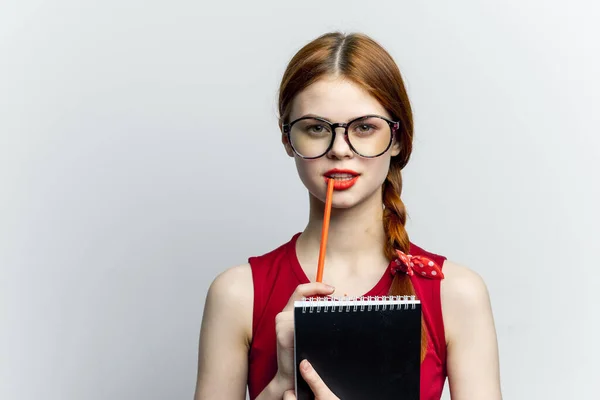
(394, 220)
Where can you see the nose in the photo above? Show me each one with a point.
(341, 147)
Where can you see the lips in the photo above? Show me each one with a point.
(341, 173)
(344, 178)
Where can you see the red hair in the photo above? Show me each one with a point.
(363, 61)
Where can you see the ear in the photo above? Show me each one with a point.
(396, 147)
(287, 145)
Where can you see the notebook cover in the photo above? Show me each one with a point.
(361, 354)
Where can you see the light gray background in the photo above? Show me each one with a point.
(140, 156)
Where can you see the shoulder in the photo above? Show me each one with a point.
(464, 295)
(230, 295)
(224, 335)
(232, 286)
(471, 342)
(462, 284)
(235, 287)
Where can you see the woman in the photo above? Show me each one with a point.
(344, 115)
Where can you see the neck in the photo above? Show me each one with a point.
(356, 235)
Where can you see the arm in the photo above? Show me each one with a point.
(472, 349)
(225, 336)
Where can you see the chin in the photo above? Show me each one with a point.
(345, 200)
(344, 203)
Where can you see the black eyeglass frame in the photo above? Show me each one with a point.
(287, 129)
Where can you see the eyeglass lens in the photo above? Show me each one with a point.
(369, 136)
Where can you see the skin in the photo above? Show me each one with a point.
(355, 262)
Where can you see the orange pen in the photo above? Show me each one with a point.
(325, 229)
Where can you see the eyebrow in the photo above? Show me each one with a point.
(325, 118)
(313, 116)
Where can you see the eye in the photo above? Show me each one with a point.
(316, 128)
(365, 128)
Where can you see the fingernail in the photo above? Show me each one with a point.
(331, 288)
(305, 365)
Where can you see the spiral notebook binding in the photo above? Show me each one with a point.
(356, 304)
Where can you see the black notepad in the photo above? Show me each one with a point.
(365, 348)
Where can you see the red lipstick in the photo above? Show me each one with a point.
(343, 178)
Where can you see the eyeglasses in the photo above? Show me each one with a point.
(368, 136)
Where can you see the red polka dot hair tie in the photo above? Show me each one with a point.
(419, 265)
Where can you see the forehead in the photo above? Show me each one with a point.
(335, 99)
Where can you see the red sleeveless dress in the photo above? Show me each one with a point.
(276, 275)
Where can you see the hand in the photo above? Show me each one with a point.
(316, 384)
(284, 328)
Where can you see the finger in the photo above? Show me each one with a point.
(289, 395)
(307, 290)
(316, 384)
